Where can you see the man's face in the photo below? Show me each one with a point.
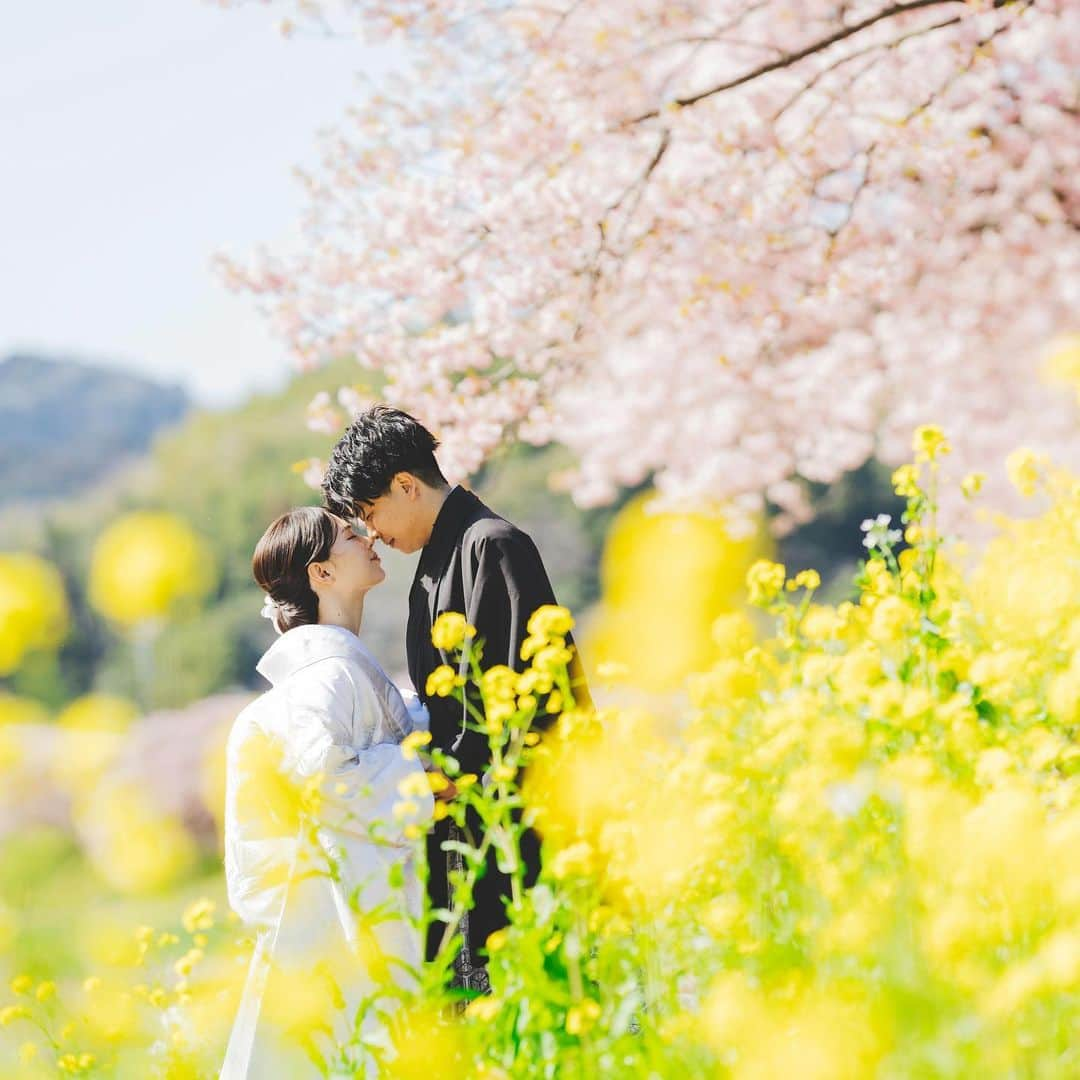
(397, 518)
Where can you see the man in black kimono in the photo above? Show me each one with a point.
(383, 471)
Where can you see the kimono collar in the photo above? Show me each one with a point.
(450, 523)
(304, 645)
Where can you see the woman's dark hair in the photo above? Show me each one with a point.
(378, 444)
(283, 554)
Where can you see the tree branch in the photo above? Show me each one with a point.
(788, 59)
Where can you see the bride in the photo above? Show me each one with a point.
(315, 859)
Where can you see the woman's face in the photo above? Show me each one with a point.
(356, 564)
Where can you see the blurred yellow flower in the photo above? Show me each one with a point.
(98, 712)
(497, 941)
(905, 481)
(484, 1008)
(929, 443)
(639, 636)
(130, 841)
(144, 564)
(199, 915)
(573, 861)
(580, 1018)
(33, 608)
(1062, 362)
(972, 484)
(1025, 468)
(10, 1013)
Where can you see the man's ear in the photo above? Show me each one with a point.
(409, 485)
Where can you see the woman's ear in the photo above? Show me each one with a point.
(320, 573)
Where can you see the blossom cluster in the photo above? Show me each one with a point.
(733, 247)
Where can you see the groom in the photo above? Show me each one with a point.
(383, 471)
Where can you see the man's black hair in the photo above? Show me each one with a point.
(378, 444)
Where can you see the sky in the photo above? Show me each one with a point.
(138, 139)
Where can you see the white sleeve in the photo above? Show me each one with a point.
(359, 782)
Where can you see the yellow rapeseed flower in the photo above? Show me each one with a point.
(552, 659)
(580, 1018)
(483, 1008)
(187, 962)
(33, 608)
(412, 742)
(10, 1013)
(22, 984)
(1062, 363)
(765, 581)
(929, 443)
(450, 631)
(435, 782)
(144, 564)
(532, 645)
(905, 481)
(415, 784)
(443, 681)
(199, 915)
(1025, 468)
(577, 860)
(499, 683)
(551, 621)
(972, 484)
(497, 940)
(805, 579)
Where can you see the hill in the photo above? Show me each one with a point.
(66, 425)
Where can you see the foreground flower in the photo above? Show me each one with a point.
(450, 631)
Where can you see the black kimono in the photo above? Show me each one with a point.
(478, 564)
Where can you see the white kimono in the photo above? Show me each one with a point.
(332, 711)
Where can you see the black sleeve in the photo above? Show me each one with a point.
(509, 584)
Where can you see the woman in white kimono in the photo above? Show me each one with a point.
(315, 859)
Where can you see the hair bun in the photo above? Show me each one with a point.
(288, 615)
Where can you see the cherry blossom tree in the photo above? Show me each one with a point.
(734, 245)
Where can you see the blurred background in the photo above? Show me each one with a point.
(151, 427)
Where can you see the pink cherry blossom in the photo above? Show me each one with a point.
(730, 246)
